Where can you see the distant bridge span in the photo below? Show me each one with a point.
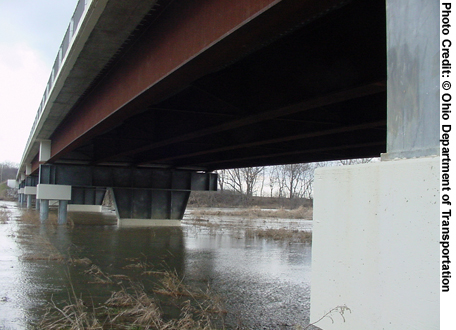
(147, 98)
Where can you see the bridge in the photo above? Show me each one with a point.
(148, 98)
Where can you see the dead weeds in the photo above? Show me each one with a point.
(5, 215)
(282, 234)
(135, 308)
(255, 212)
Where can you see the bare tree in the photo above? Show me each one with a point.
(278, 179)
(297, 179)
(8, 170)
(243, 180)
(221, 179)
(293, 180)
(263, 177)
(294, 175)
(270, 172)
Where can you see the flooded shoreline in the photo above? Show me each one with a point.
(263, 283)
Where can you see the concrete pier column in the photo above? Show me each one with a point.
(375, 226)
(37, 204)
(46, 192)
(29, 190)
(62, 217)
(44, 210)
(413, 94)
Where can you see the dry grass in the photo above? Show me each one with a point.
(280, 234)
(255, 212)
(341, 310)
(134, 308)
(50, 257)
(99, 277)
(5, 215)
(33, 217)
(30, 217)
(80, 261)
(138, 265)
(171, 285)
(73, 316)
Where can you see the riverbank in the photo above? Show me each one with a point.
(230, 199)
(303, 213)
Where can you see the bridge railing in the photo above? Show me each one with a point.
(70, 34)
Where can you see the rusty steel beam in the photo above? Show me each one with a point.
(189, 40)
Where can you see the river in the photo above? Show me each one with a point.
(262, 283)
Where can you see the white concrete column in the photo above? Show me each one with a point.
(28, 169)
(29, 192)
(62, 216)
(45, 151)
(375, 245)
(44, 210)
(21, 195)
(413, 78)
(29, 201)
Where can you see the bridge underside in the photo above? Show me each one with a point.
(303, 81)
(206, 85)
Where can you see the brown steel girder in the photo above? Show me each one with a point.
(128, 114)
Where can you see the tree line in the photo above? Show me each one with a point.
(290, 181)
(8, 170)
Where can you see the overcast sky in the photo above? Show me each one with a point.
(31, 32)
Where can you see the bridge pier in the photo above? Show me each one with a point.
(29, 201)
(376, 229)
(48, 192)
(138, 207)
(142, 196)
(62, 214)
(44, 210)
(374, 244)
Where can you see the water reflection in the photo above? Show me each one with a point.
(265, 284)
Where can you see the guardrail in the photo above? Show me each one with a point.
(70, 34)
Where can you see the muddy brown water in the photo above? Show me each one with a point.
(263, 284)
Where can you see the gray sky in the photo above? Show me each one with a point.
(31, 32)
